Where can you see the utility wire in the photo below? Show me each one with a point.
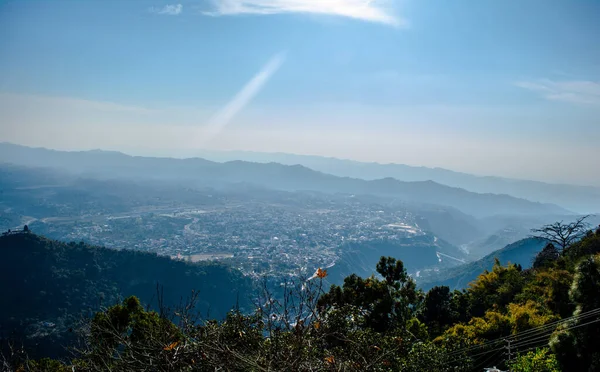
(542, 327)
(540, 342)
(477, 355)
(530, 332)
(547, 337)
(492, 357)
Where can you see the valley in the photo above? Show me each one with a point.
(263, 219)
(241, 236)
(261, 233)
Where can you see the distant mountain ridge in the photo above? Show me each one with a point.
(272, 175)
(583, 199)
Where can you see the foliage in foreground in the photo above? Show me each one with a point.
(544, 319)
(539, 360)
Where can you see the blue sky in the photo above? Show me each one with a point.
(508, 88)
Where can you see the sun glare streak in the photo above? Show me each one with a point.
(222, 118)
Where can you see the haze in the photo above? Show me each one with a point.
(494, 88)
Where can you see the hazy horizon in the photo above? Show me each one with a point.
(230, 155)
(423, 84)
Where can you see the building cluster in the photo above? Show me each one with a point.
(258, 238)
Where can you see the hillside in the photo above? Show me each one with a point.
(48, 285)
(275, 176)
(546, 317)
(495, 242)
(417, 254)
(521, 253)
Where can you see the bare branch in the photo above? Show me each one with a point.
(563, 234)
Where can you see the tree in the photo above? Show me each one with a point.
(546, 256)
(426, 357)
(590, 245)
(575, 341)
(126, 332)
(385, 303)
(391, 269)
(495, 289)
(550, 287)
(539, 360)
(495, 324)
(563, 234)
(436, 310)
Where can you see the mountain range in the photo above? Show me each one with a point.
(582, 199)
(202, 172)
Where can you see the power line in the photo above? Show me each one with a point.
(547, 337)
(556, 322)
(529, 349)
(547, 332)
(536, 331)
(487, 360)
(476, 355)
(532, 339)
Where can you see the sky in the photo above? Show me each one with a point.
(508, 88)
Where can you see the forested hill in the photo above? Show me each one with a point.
(47, 285)
(520, 253)
(543, 319)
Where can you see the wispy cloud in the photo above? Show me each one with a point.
(367, 10)
(173, 9)
(68, 103)
(572, 91)
(242, 98)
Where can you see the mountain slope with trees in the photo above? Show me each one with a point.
(48, 286)
(543, 319)
(522, 253)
